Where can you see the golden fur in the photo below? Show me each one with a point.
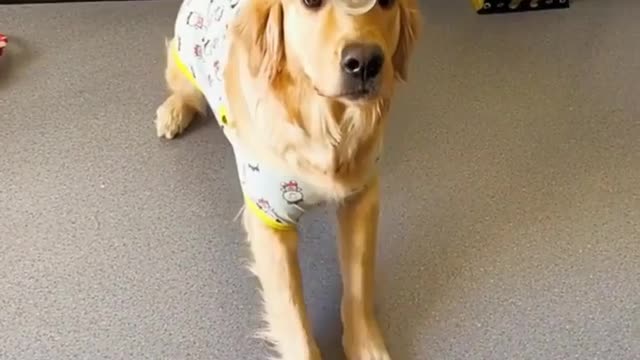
(283, 86)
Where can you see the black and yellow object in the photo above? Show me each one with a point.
(504, 6)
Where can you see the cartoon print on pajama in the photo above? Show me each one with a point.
(208, 47)
(218, 13)
(279, 197)
(217, 71)
(291, 192)
(265, 206)
(197, 51)
(195, 20)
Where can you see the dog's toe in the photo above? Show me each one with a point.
(167, 122)
(172, 117)
(366, 347)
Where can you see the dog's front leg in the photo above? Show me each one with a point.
(276, 266)
(358, 218)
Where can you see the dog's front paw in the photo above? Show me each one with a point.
(365, 344)
(172, 117)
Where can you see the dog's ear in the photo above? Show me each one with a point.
(259, 29)
(410, 27)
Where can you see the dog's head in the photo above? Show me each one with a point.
(344, 56)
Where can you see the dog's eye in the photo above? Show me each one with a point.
(385, 4)
(312, 4)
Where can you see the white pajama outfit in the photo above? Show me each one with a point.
(201, 50)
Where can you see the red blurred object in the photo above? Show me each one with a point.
(3, 42)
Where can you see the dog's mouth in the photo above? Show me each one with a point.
(359, 94)
(351, 91)
(363, 93)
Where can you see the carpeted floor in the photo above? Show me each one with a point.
(511, 213)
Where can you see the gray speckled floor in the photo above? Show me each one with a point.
(511, 225)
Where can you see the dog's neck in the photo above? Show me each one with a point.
(341, 137)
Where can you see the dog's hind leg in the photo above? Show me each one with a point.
(276, 266)
(184, 102)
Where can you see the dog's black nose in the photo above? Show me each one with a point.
(362, 61)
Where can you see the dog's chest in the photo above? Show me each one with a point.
(336, 172)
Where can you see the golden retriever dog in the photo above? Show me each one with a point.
(304, 86)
